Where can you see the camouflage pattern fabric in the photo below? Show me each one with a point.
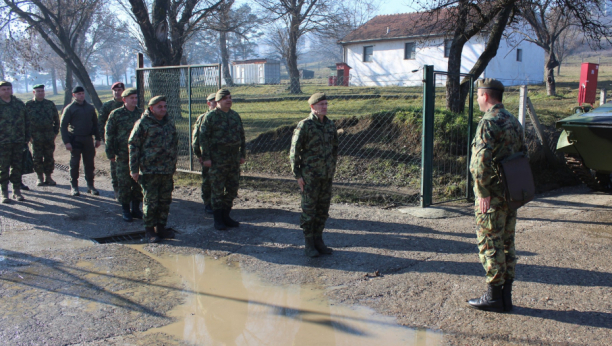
(15, 126)
(127, 189)
(206, 190)
(224, 177)
(316, 199)
(220, 129)
(157, 191)
(42, 154)
(498, 135)
(11, 157)
(153, 145)
(107, 108)
(314, 148)
(44, 119)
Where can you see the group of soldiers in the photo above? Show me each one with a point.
(143, 150)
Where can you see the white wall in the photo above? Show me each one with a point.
(511, 72)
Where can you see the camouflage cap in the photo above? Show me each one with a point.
(129, 91)
(221, 94)
(38, 86)
(490, 83)
(78, 89)
(157, 99)
(5, 83)
(118, 85)
(316, 98)
(211, 97)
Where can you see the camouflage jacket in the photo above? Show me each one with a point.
(314, 148)
(153, 145)
(118, 129)
(14, 122)
(44, 119)
(220, 129)
(498, 135)
(195, 136)
(105, 111)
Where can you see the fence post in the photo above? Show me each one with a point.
(220, 76)
(522, 107)
(190, 129)
(427, 138)
(469, 141)
(140, 79)
(602, 96)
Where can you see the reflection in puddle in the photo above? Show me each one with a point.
(225, 306)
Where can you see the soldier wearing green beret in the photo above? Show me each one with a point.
(153, 151)
(314, 153)
(117, 132)
(498, 135)
(206, 190)
(45, 127)
(222, 144)
(14, 137)
(78, 124)
(117, 88)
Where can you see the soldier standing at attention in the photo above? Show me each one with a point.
(45, 127)
(499, 135)
(222, 144)
(118, 128)
(212, 104)
(117, 88)
(153, 146)
(14, 136)
(314, 153)
(79, 123)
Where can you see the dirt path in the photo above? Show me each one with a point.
(50, 272)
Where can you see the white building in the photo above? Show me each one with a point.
(256, 71)
(387, 49)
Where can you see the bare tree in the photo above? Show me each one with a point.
(569, 42)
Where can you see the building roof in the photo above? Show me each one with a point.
(397, 26)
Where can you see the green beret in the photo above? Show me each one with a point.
(38, 86)
(490, 83)
(5, 83)
(157, 99)
(129, 91)
(211, 97)
(78, 89)
(221, 94)
(316, 98)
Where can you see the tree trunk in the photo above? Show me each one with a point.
(54, 80)
(292, 57)
(225, 59)
(559, 70)
(454, 103)
(551, 63)
(68, 86)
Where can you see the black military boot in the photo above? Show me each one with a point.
(309, 249)
(74, 189)
(151, 236)
(229, 222)
(5, 194)
(163, 232)
(91, 189)
(490, 301)
(507, 295)
(218, 216)
(49, 181)
(320, 245)
(127, 215)
(208, 209)
(41, 179)
(136, 212)
(17, 194)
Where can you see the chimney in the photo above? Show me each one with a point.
(387, 30)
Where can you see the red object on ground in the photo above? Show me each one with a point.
(588, 83)
(332, 81)
(343, 74)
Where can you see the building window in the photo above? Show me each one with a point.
(519, 54)
(447, 46)
(410, 50)
(368, 51)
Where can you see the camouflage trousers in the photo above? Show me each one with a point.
(42, 154)
(113, 170)
(315, 205)
(127, 189)
(206, 190)
(224, 175)
(495, 236)
(157, 191)
(11, 158)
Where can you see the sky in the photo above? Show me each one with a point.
(394, 6)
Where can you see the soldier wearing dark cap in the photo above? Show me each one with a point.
(314, 153)
(222, 144)
(107, 107)
(498, 135)
(14, 137)
(153, 146)
(212, 104)
(118, 129)
(45, 127)
(79, 123)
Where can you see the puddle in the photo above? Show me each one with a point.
(226, 306)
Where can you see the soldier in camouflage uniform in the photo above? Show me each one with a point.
(314, 153)
(117, 88)
(499, 135)
(212, 104)
(222, 144)
(153, 146)
(118, 129)
(14, 137)
(45, 127)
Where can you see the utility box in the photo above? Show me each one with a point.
(343, 74)
(588, 83)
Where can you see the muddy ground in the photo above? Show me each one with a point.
(51, 273)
